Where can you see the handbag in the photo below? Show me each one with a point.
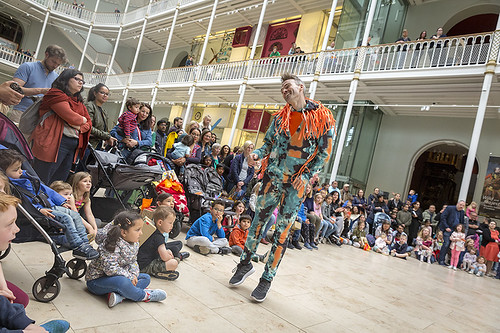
(297, 225)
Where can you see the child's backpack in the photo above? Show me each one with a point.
(30, 118)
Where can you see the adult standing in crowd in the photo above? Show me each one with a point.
(296, 147)
(241, 170)
(416, 221)
(206, 123)
(36, 78)
(489, 245)
(98, 95)
(360, 201)
(141, 136)
(206, 142)
(65, 128)
(395, 202)
(177, 126)
(334, 187)
(374, 196)
(344, 193)
(195, 157)
(161, 136)
(450, 218)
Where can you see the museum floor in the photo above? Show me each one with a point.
(330, 290)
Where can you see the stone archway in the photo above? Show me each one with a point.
(180, 59)
(437, 172)
(457, 24)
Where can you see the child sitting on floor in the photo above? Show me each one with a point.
(381, 244)
(116, 272)
(479, 267)
(359, 235)
(154, 258)
(469, 259)
(238, 236)
(49, 203)
(200, 235)
(400, 248)
(438, 243)
(165, 199)
(423, 248)
(13, 317)
(81, 182)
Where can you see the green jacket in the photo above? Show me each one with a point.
(99, 129)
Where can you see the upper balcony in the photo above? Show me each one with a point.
(444, 72)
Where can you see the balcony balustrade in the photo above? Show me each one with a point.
(452, 52)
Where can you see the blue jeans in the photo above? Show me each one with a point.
(445, 247)
(76, 234)
(121, 285)
(269, 224)
(50, 171)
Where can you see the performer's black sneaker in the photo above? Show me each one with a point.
(241, 272)
(259, 294)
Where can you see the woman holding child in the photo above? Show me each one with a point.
(64, 131)
(141, 136)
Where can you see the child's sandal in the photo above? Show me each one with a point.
(167, 275)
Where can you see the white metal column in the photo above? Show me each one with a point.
(243, 86)
(117, 39)
(37, 51)
(88, 36)
(136, 56)
(352, 91)
(193, 88)
(167, 47)
(319, 66)
(481, 110)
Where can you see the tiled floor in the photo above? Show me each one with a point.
(330, 290)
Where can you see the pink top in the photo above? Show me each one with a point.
(468, 211)
(317, 210)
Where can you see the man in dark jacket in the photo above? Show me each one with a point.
(450, 218)
(161, 136)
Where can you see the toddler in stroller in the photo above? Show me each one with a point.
(48, 202)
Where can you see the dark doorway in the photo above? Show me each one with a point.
(474, 24)
(438, 175)
(10, 29)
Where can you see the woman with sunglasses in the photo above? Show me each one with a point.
(64, 130)
(98, 95)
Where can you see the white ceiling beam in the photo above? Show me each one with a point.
(294, 4)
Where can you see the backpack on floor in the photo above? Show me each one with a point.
(30, 118)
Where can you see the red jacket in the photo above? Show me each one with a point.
(238, 237)
(47, 137)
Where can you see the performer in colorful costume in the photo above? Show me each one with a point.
(297, 145)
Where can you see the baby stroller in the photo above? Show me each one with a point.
(202, 187)
(110, 171)
(34, 226)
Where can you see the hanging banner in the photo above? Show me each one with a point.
(490, 198)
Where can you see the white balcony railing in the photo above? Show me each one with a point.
(107, 18)
(223, 72)
(445, 52)
(68, 9)
(300, 64)
(453, 52)
(14, 57)
(177, 75)
(339, 61)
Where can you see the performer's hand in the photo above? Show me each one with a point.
(299, 184)
(252, 159)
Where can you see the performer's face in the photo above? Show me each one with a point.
(291, 91)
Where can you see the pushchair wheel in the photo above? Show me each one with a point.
(76, 268)
(46, 288)
(5, 253)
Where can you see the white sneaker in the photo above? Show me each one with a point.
(478, 274)
(454, 268)
(114, 299)
(471, 272)
(450, 266)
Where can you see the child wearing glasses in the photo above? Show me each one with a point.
(200, 236)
